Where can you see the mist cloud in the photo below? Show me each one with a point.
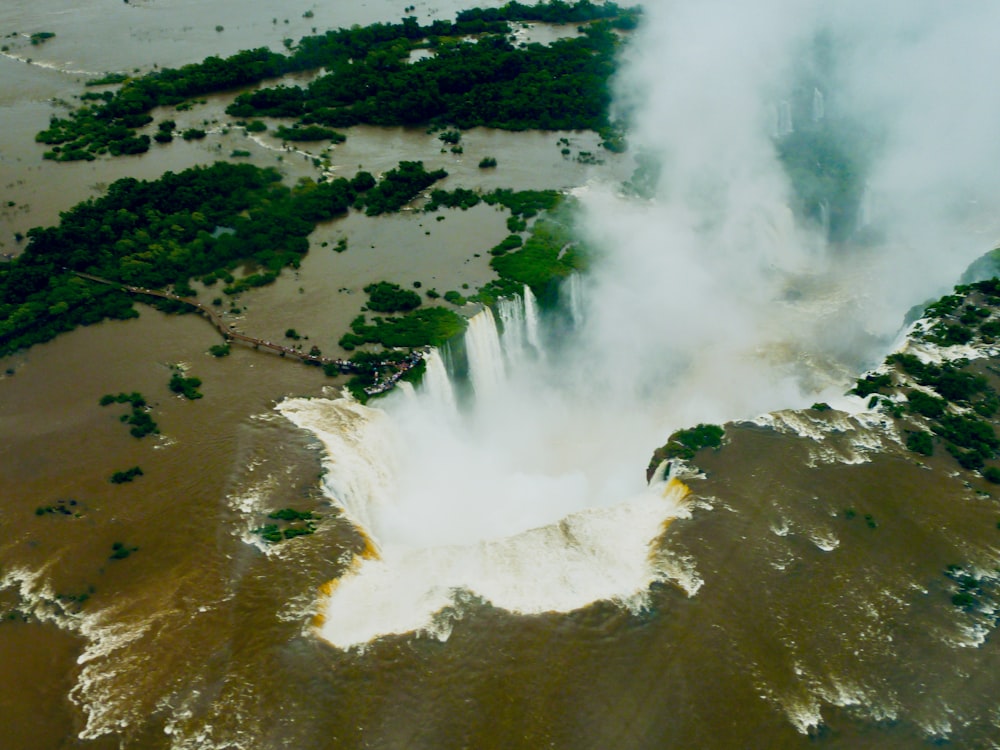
(744, 282)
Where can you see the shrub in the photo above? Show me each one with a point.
(186, 386)
(992, 474)
(120, 477)
(920, 442)
(384, 296)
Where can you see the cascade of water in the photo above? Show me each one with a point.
(865, 208)
(511, 313)
(436, 383)
(482, 346)
(819, 105)
(824, 218)
(531, 320)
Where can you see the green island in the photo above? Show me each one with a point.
(475, 76)
(289, 523)
(186, 386)
(141, 422)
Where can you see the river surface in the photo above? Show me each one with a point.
(775, 618)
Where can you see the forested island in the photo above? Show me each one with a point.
(475, 76)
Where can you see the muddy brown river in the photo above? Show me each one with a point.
(795, 598)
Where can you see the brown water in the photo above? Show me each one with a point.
(201, 637)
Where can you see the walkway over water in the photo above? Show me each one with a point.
(346, 366)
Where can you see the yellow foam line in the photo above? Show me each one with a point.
(369, 551)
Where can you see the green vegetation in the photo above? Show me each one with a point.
(384, 296)
(547, 256)
(510, 242)
(821, 406)
(524, 204)
(308, 133)
(971, 591)
(41, 36)
(185, 386)
(74, 602)
(66, 507)
(955, 401)
(871, 383)
(918, 402)
(486, 81)
(487, 162)
(203, 222)
(455, 298)
(219, 350)
(119, 551)
(398, 187)
(920, 441)
(120, 477)
(684, 444)
(108, 79)
(429, 326)
(141, 423)
(293, 523)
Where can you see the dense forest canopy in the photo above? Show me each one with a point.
(201, 222)
(564, 85)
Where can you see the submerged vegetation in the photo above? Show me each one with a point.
(141, 422)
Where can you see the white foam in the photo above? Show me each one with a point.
(596, 554)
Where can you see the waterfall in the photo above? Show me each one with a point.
(824, 218)
(575, 285)
(531, 320)
(482, 346)
(784, 119)
(512, 313)
(819, 105)
(437, 384)
(865, 208)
